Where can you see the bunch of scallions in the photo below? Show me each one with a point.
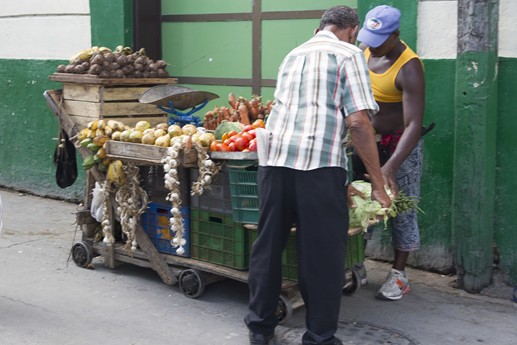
(367, 211)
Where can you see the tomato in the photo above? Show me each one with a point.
(227, 141)
(232, 147)
(213, 145)
(231, 133)
(222, 147)
(253, 133)
(248, 128)
(234, 137)
(241, 143)
(247, 136)
(259, 123)
(253, 145)
(224, 137)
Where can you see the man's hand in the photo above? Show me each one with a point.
(381, 196)
(390, 179)
(352, 191)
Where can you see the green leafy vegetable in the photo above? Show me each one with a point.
(368, 211)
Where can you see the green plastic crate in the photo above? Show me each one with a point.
(217, 239)
(355, 253)
(244, 191)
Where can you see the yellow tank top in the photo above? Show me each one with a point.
(383, 84)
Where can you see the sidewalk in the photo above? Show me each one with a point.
(45, 299)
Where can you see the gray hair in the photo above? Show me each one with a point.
(341, 16)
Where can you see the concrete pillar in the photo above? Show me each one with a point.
(475, 142)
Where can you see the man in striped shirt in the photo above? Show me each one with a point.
(323, 89)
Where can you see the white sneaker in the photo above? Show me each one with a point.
(395, 287)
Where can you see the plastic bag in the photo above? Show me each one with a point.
(97, 208)
(65, 161)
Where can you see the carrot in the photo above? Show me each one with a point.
(255, 108)
(234, 117)
(232, 101)
(243, 113)
(226, 113)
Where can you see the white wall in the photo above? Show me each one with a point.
(44, 30)
(437, 29)
(507, 28)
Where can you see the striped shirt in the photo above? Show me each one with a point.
(318, 82)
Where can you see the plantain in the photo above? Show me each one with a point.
(93, 147)
(100, 140)
(88, 162)
(115, 172)
(83, 134)
(85, 142)
(93, 125)
(101, 153)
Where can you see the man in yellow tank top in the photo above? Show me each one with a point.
(398, 85)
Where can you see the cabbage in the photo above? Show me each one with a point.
(369, 212)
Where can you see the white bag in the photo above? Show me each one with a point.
(263, 137)
(97, 208)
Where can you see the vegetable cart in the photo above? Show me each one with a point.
(219, 225)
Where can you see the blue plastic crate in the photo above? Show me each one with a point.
(155, 221)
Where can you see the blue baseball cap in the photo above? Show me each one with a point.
(379, 24)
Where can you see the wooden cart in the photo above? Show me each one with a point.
(191, 275)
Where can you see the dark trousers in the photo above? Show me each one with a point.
(315, 201)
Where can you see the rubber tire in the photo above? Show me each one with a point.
(82, 254)
(284, 310)
(352, 282)
(192, 283)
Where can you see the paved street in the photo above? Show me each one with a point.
(45, 299)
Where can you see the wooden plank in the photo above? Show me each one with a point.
(146, 154)
(123, 93)
(81, 92)
(98, 93)
(129, 108)
(95, 80)
(110, 109)
(156, 260)
(139, 152)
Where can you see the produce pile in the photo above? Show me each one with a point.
(231, 137)
(240, 110)
(368, 211)
(97, 133)
(119, 63)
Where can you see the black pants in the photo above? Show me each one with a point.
(316, 202)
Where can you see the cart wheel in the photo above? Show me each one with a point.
(192, 283)
(82, 254)
(352, 282)
(284, 310)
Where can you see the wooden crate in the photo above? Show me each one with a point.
(146, 154)
(88, 97)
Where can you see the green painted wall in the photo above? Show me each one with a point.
(506, 165)
(112, 23)
(28, 130)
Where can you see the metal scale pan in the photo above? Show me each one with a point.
(182, 97)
